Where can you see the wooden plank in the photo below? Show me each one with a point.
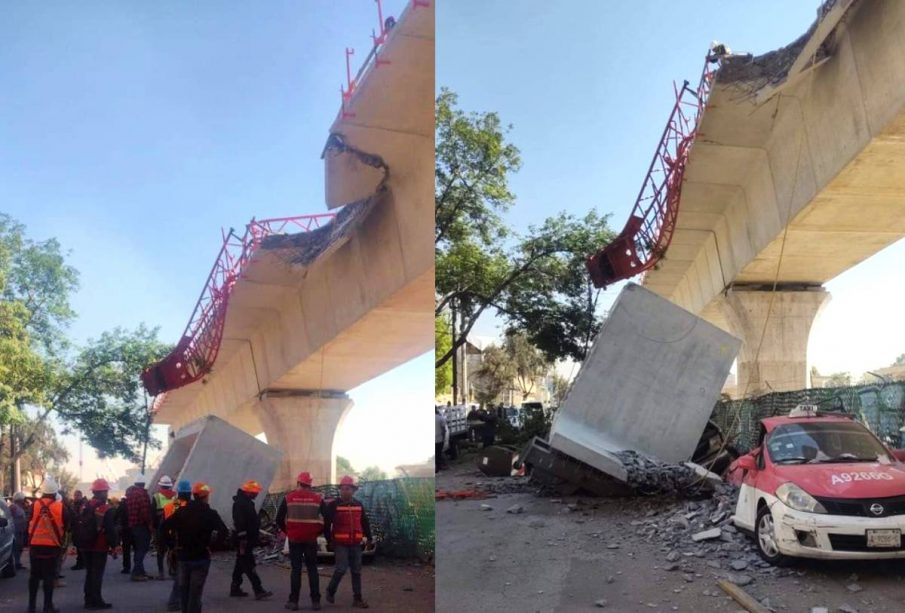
(742, 597)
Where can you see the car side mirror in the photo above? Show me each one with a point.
(899, 454)
(746, 462)
(3, 522)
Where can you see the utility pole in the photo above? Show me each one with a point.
(455, 359)
(144, 452)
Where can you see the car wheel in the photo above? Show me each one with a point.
(9, 571)
(765, 538)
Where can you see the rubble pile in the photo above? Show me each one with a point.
(650, 476)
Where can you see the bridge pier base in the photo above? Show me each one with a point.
(303, 427)
(781, 364)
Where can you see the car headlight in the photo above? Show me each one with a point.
(796, 498)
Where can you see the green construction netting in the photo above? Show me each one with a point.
(401, 512)
(880, 407)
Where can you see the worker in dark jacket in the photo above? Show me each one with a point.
(78, 503)
(194, 525)
(301, 517)
(247, 526)
(125, 535)
(95, 557)
(183, 497)
(347, 527)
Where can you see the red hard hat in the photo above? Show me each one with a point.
(201, 489)
(100, 485)
(304, 478)
(251, 487)
(347, 480)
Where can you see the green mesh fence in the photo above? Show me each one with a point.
(880, 407)
(401, 512)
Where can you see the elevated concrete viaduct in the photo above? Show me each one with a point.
(312, 315)
(797, 174)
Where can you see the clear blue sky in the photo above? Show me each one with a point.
(133, 131)
(587, 86)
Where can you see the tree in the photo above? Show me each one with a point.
(561, 387)
(344, 467)
(494, 376)
(900, 361)
(442, 343)
(372, 473)
(527, 362)
(536, 282)
(839, 379)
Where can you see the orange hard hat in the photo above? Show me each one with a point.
(201, 489)
(100, 485)
(304, 478)
(347, 480)
(251, 487)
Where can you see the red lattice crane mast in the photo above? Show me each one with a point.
(649, 229)
(195, 353)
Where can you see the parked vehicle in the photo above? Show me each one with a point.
(457, 424)
(821, 486)
(7, 536)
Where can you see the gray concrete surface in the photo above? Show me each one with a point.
(388, 586)
(569, 554)
(648, 384)
(221, 455)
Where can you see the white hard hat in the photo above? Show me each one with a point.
(141, 479)
(165, 481)
(50, 485)
(19, 496)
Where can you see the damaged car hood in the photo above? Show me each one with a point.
(847, 479)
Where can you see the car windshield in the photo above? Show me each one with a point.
(824, 442)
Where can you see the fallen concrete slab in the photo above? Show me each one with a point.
(224, 457)
(648, 385)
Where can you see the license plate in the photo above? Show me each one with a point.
(884, 538)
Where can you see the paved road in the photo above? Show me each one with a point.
(551, 557)
(388, 586)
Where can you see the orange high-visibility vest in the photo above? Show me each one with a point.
(170, 507)
(47, 523)
(347, 528)
(303, 517)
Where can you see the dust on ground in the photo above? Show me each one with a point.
(583, 553)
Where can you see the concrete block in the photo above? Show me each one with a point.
(222, 456)
(648, 384)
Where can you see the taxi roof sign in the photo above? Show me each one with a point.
(804, 410)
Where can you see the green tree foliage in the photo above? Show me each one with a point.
(372, 473)
(537, 282)
(561, 387)
(900, 361)
(344, 467)
(839, 379)
(495, 375)
(442, 344)
(94, 389)
(528, 363)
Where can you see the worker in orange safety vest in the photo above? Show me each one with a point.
(50, 520)
(301, 517)
(346, 526)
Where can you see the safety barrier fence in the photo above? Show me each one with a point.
(401, 512)
(880, 407)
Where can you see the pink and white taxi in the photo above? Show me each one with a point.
(820, 486)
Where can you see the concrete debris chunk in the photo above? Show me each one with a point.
(740, 580)
(847, 608)
(486, 507)
(819, 610)
(854, 588)
(739, 564)
(516, 508)
(602, 603)
(713, 533)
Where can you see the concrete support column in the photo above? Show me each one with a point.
(303, 428)
(782, 363)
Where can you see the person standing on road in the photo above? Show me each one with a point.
(163, 496)
(125, 535)
(301, 517)
(440, 430)
(105, 542)
(138, 510)
(50, 519)
(168, 537)
(78, 503)
(193, 525)
(247, 525)
(20, 527)
(346, 525)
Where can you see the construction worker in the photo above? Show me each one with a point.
(138, 512)
(125, 535)
(163, 496)
(105, 542)
(346, 525)
(78, 503)
(183, 497)
(193, 524)
(247, 526)
(301, 517)
(50, 519)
